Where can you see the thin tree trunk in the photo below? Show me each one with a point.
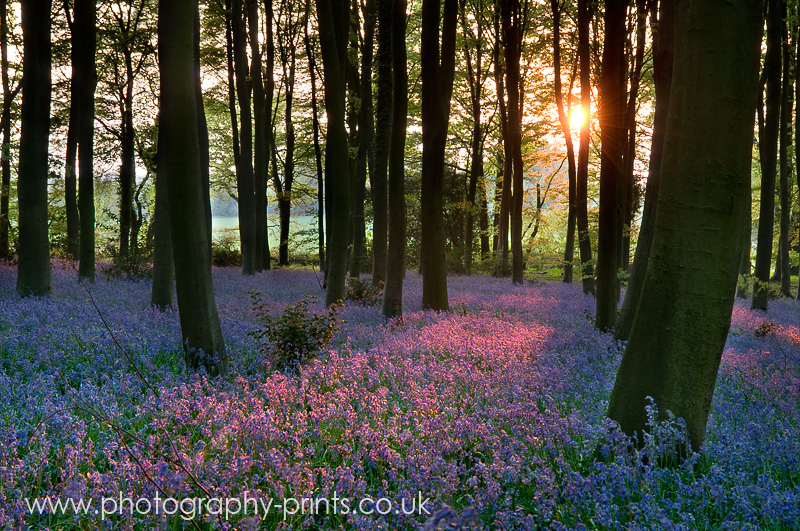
(86, 70)
(438, 70)
(200, 327)
(512, 37)
(33, 270)
(333, 16)
(612, 128)
(681, 325)
(262, 202)
(261, 143)
(244, 172)
(202, 127)
(768, 144)
(317, 151)
(569, 248)
(395, 263)
(383, 115)
(5, 126)
(127, 169)
(582, 171)
(504, 180)
(662, 76)
(785, 141)
(70, 171)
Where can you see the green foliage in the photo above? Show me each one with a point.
(295, 336)
(130, 267)
(225, 250)
(363, 293)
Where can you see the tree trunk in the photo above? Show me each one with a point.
(396, 257)
(244, 172)
(512, 37)
(202, 125)
(383, 115)
(261, 144)
(569, 248)
(262, 202)
(582, 172)
(161, 294)
(333, 16)
(317, 151)
(365, 135)
(612, 129)
(684, 315)
(662, 76)
(5, 126)
(127, 168)
(768, 147)
(33, 270)
(504, 179)
(200, 327)
(70, 172)
(438, 70)
(86, 74)
(785, 140)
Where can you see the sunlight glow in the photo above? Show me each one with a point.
(577, 118)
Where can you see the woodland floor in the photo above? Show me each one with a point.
(493, 412)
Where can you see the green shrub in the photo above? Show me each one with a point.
(130, 267)
(295, 336)
(362, 292)
(225, 251)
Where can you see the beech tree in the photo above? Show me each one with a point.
(585, 9)
(333, 16)
(768, 150)
(9, 93)
(438, 70)
(33, 271)
(180, 160)
(684, 313)
(396, 257)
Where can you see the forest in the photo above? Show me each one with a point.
(399, 264)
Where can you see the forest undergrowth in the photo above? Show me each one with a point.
(490, 416)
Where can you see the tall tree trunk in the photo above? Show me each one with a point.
(629, 153)
(33, 271)
(684, 314)
(797, 140)
(569, 248)
(244, 172)
(768, 147)
(200, 327)
(70, 171)
(504, 179)
(5, 126)
(438, 70)
(161, 294)
(202, 125)
(383, 115)
(785, 140)
(127, 168)
(662, 76)
(582, 171)
(262, 203)
(261, 143)
(317, 151)
(396, 258)
(365, 135)
(612, 129)
(333, 16)
(512, 39)
(86, 70)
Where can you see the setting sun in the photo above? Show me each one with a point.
(577, 118)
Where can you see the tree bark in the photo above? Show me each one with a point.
(395, 263)
(684, 315)
(333, 16)
(5, 126)
(582, 170)
(71, 156)
(244, 172)
(86, 74)
(317, 151)
(161, 294)
(383, 115)
(200, 327)
(261, 142)
(662, 76)
(438, 70)
(512, 39)
(569, 248)
(785, 140)
(612, 129)
(202, 127)
(33, 270)
(768, 147)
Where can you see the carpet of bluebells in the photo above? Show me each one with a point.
(493, 412)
